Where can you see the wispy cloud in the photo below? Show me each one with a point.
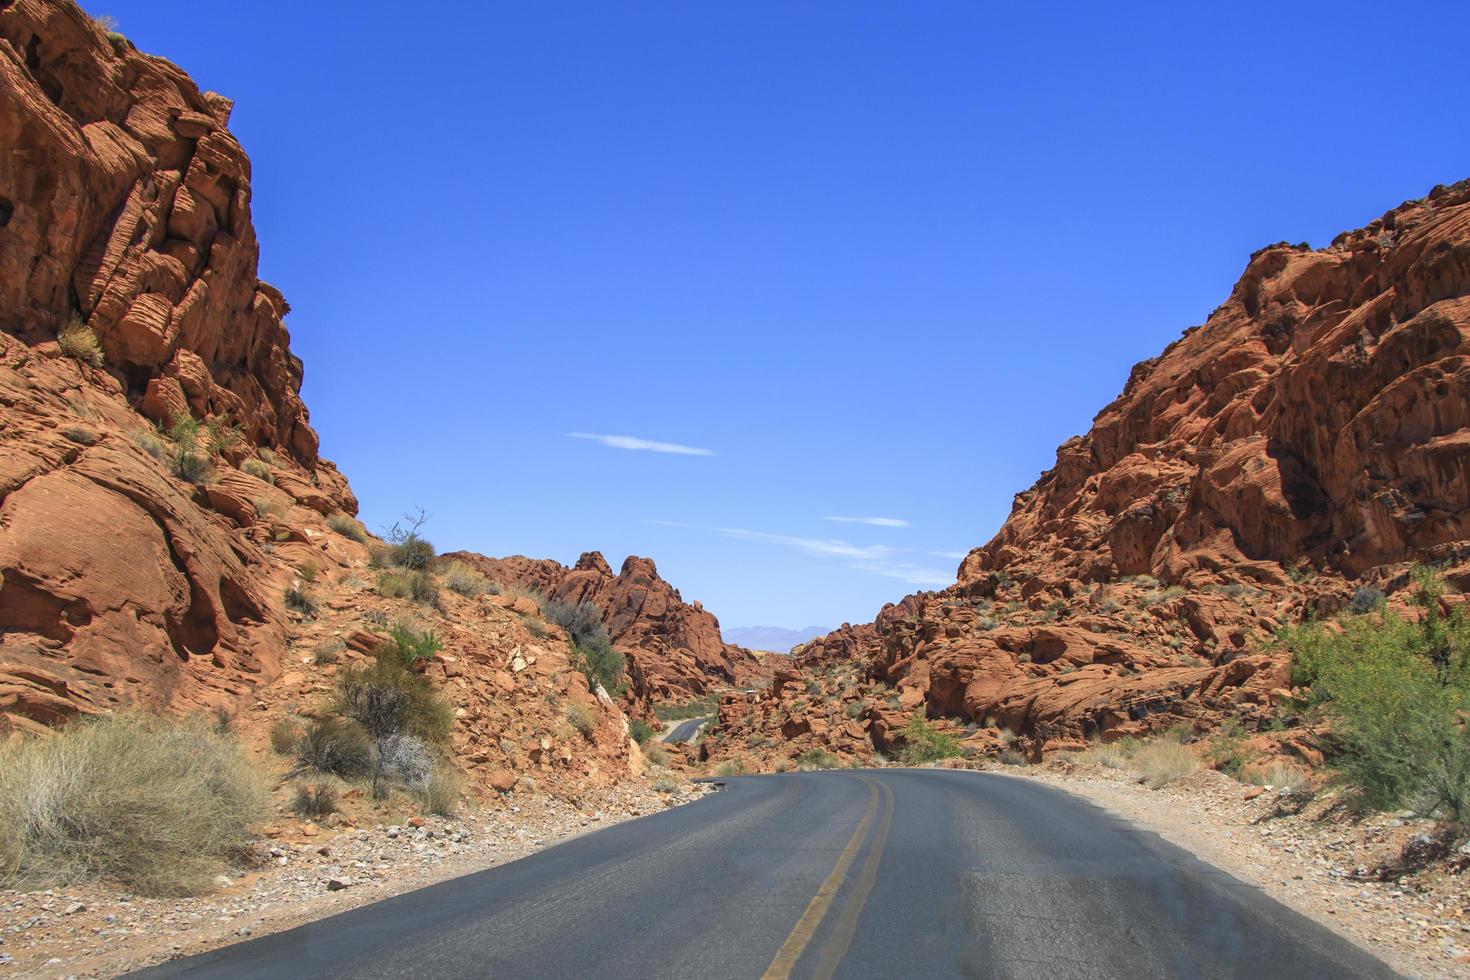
(646, 445)
(875, 559)
(871, 521)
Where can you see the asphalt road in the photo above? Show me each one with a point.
(876, 873)
(686, 730)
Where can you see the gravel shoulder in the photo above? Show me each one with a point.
(303, 874)
(1321, 861)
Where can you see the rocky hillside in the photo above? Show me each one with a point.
(129, 297)
(169, 537)
(1305, 445)
(674, 648)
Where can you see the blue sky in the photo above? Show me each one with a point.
(806, 261)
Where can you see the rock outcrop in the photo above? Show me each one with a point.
(125, 219)
(674, 648)
(1310, 439)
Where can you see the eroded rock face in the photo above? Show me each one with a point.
(1312, 436)
(125, 207)
(675, 651)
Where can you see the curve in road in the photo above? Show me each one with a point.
(850, 874)
(685, 731)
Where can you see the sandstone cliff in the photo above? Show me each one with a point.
(1310, 439)
(125, 216)
(674, 649)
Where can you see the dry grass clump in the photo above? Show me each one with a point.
(1108, 755)
(1162, 761)
(1280, 776)
(314, 800)
(441, 792)
(78, 342)
(257, 469)
(461, 578)
(665, 785)
(159, 807)
(348, 527)
(655, 753)
(582, 718)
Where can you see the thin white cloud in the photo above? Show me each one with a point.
(907, 572)
(871, 521)
(646, 445)
(874, 559)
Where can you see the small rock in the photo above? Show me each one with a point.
(337, 884)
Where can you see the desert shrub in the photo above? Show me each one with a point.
(328, 652)
(412, 643)
(386, 698)
(1365, 599)
(80, 435)
(923, 743)
(1226, 750)
(149, 442)
(335, 746)
(79, 342)
(257, 469)
(655, 753)
(269, 507)
(299, 600)
(155, 805)
(640, 730)
(309, 570)
(186, 460)
(780, 765)
(665, 785)
(1280, 776)
(855, 709)
(404, 759)
(218, 437)
(817, 759)
(407, 548)
(1162, 761)
(461, 578)
(440, 794)
(348, 527)
(582, 718)
(312, 801)
(283, 736)
(1013, 757)
(732, 767)
(1397, 691)
(1109, 755)
(581, 620)
(418, 586)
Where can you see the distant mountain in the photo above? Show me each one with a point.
(772, 638)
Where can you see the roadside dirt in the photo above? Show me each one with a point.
(303, 874)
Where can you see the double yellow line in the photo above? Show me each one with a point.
(880, 797)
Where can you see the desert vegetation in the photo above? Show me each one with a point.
(1394, 690)
(78, 342)
(154, 805)
(923, 743)
(592, 649)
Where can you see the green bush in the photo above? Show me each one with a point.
(665, 784)
(386, 698)
(335, 746)
(407, 548)
(581, 620)
(158, 806)
(418, 586)
(412, 643)
(1397, 691)
(348, 527)
(924, 743)
(640, 730)
(681, 712)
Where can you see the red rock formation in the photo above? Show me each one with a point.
(675, 652)
(125, 208)
(1312, 435)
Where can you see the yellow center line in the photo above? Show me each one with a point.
(806, 926)
(846, 926)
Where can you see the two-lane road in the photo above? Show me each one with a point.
(685, 731)
(874, 873)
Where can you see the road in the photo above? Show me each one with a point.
(853, 874)
(685, 731)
